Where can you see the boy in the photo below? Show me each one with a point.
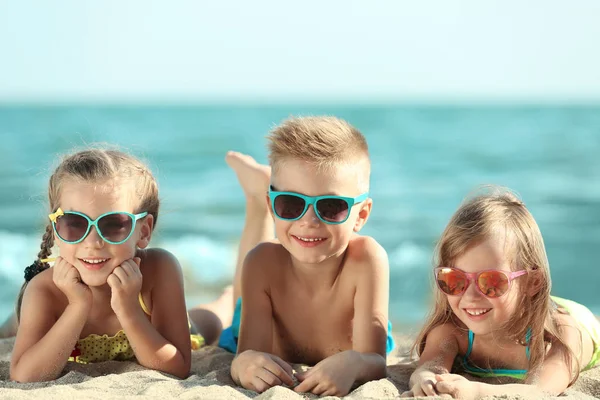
(319, 294)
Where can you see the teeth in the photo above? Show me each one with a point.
(310, 239)
(478, 311)
(94, 261)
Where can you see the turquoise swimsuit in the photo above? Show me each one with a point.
(580, 313)
(488, 373)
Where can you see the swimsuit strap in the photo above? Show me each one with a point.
(144, 307)
(527, 340)
(471, 338)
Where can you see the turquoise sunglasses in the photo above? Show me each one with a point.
(113, 227)
(333, 210)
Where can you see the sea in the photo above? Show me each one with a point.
(425, 160)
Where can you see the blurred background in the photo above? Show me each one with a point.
(450, 95)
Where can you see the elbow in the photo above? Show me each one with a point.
(381, 367)
(374, 366)
(28, 376)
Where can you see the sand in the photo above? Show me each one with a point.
(210, 379)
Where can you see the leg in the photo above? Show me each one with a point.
(258, 227)
(210, 319)
(9, 327)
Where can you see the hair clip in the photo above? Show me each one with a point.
(33, 270)
(56, 214)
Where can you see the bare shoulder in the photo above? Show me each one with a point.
(366, 255)
(447, 336)
(42, 288)
(568, 329)
(265, 256)
(158, 264)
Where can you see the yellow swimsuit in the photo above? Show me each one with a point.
(97, 348)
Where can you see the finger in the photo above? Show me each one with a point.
(286, 367)
(268, 377)
(301, 376)
(278, 371)
(332, 392)
(448, 377)
(445, 387)
(319, 389)
(428, 388)
(137, 260)
(408, 393)
(120, 273)
(258, 385)
(113, 281)
(307, 385)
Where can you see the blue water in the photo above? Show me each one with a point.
(425, 160)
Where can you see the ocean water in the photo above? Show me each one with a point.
(426, 159)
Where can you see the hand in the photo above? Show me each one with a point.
(422, 383)
(260, 371)
(456, 386)
(125, 283)
(333, 376)
(67, 279)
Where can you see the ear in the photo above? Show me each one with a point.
(146, 227)
(535, 282)
(269, 205)
(363, 214)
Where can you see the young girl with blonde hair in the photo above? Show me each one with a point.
(107, 296)
(493, 311)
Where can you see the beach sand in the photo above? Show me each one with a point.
(210, 379)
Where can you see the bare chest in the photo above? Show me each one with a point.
(307, 330)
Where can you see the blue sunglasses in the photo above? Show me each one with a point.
(113, 227)
(333, 210)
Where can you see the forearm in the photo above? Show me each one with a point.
(370, 366)
(151, 349)
(484, 389)
(45, 360)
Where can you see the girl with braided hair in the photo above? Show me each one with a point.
(107, 296)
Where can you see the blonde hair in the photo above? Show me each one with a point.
(325, 142)
(94, 165)
(482, 217)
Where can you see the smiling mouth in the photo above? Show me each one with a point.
(475, 312)
(309, 239)
(94, 260)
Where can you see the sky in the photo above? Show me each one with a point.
(73, 50)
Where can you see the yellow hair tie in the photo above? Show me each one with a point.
(53, 217)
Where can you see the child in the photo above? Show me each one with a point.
(493, 310)
(318, 295)
(107, 297)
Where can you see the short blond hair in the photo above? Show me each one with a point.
(324, 141)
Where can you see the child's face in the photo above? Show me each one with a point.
(479, 313)
(308, 239)
(93, 200)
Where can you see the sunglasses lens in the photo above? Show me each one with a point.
(71, 227)
(115, 227)
(332, 210)
(287, 206)
(451, 282)
(493, 283)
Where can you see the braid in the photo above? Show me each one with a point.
(46, 246)
(37, 266)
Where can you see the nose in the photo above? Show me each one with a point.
(310, 217)
(472, 291)
(93, 239)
